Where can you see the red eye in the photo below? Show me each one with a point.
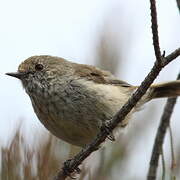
(39, 67)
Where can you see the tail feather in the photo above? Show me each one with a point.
(168, 89)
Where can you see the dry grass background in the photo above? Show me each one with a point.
(18, 162)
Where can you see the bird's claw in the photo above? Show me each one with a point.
(67, 170)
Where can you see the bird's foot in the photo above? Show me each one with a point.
(67, 169)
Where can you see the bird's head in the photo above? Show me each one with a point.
(40, 71)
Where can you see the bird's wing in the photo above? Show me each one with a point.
(97, 75)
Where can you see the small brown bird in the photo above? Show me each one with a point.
(73, 100)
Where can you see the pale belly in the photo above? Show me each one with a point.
(75, 115)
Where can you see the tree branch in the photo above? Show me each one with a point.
(171, 56)
(160, 135)
(154, 27)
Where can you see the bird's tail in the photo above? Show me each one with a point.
(167, 89)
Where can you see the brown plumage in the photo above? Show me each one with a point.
(73, 100)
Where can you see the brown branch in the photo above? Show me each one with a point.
(71, 166)
(171, 56)
(154, 27)
(164, 124)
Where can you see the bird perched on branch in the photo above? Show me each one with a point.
(74, 100)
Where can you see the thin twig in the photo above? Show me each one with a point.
(72, 165)
(163, 165)
(154, 28)
(171, 56)
(173, 161)
(164, 124)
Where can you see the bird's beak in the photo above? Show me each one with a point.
(18, 75)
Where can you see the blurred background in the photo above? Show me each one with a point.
(114, 35)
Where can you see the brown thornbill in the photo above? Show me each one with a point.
(74, 100)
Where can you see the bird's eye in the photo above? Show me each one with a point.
(39, 67)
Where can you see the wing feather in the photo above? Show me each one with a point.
(97, 75)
